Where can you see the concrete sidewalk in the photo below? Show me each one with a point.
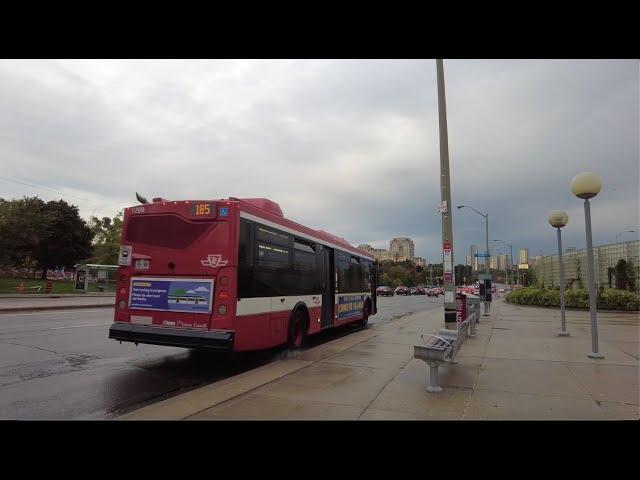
(516, 368)
(52, 302)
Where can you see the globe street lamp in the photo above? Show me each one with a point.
(587, 185)
(559, 219)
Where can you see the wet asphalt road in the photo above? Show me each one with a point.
(60, 364)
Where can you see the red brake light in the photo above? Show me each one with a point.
(223, 295)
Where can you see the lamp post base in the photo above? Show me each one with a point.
(596, 355)
(563, 333)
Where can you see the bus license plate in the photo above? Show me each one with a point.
(142, 264)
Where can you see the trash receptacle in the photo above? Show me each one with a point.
(473, 305)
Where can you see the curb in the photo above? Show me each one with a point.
(185, 405)
(57, 307)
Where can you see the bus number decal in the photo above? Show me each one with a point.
(201, 209)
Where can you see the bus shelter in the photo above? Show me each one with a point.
(91, 277)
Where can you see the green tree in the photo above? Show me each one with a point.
(43, 235)
(21, 225)
(625, 275)
(106, 239)
(65, 238)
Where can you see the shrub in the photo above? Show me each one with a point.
(608, 299)
(612, 299)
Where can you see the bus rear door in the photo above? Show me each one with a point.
(328, 287)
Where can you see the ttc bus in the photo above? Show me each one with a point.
(234, 274)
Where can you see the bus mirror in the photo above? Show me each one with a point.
(140, 198)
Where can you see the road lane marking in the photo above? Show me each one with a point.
(52, 312)
(78, 326)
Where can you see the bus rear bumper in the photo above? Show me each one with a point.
(217, 340)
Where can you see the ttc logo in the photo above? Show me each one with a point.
(214, 261)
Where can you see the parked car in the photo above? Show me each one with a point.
(402, 290)
(384, 291)
(421, 291)
(432, 292)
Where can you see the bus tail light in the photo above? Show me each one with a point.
(223, 295)
(222, 309)
(123, 291)
(224, 281)
(122, 304)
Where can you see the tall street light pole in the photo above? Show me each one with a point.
(586, 186)
(559, 219)
(486, 224)
(510, 260)
(487, 255)
(445, 206)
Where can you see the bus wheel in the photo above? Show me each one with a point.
(297, 330)
(365, 315)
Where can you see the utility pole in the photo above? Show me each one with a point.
(445, 206)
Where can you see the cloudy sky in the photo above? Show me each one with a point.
(349, 146)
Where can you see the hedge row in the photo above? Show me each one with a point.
(608, 299)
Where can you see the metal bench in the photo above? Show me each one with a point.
(443, 348)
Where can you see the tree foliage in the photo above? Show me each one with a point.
(21, 223)
(106, 239)
(624, 275)
(43, 235)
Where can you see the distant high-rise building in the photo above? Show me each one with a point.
(524, 256)
(474, 259)
(402, 246)
(468, 264)
(493, 262)
(503, 260)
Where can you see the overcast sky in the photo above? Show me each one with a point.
(348, 146)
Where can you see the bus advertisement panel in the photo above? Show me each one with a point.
(171, 294)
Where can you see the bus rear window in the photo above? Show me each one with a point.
(169, 231)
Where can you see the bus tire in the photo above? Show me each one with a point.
(297, 329)
(365, 314)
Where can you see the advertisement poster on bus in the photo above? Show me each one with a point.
(350, 306)
(171, 294)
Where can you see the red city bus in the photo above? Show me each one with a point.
(234, 274)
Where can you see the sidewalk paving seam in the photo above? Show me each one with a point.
(598, 403)
(383, 387)
(484, 359)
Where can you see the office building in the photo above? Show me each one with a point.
(402, 246)
(474, 259)
(547, 270)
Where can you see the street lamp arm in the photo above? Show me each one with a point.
(502, 241)
(478, 212)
